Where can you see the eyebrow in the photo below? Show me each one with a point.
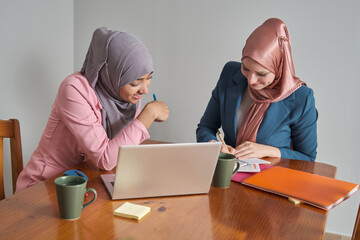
(145, 78)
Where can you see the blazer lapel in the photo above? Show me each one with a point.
(232, 102)
(276, 115)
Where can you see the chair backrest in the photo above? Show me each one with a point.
(10, 129)
(356, 233)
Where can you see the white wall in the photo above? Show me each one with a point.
(36, 54)
(190, 41)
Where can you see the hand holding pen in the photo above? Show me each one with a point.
(162, 110)
(227, 149)
(224, 148)
(155, 110)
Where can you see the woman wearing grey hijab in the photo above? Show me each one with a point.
(97, 109)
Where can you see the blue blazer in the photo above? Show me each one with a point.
(291, 121)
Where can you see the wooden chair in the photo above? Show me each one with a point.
(356, 233)
(10, 129)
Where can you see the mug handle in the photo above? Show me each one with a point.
(92, 200)
(237, 167)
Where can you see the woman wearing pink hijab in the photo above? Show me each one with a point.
(97, 109)
(262, 107)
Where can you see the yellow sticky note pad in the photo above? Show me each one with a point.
(130, 210)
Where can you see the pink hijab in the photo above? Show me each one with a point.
(269, 45)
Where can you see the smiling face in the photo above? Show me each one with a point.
(133, 91)
(258, 77)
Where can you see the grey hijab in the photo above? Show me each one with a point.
(115, 59)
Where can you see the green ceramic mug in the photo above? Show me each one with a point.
(70, 192)
(225, 170)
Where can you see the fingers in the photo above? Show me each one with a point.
(244, 156)
(225, 149)
(162, 111)
(231, 149)
(256, 150)
(153, 111)
(246, 150)
(159, 110)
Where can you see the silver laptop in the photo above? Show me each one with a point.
(153, 170)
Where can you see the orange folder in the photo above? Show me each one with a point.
(319, 191)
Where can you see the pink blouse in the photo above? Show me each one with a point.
(74, 133)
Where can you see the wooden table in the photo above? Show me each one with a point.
(238, 212)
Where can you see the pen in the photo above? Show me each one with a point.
(154, 96)
(221, 138)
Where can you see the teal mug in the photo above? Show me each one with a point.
(225, 170)
(70, 192)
